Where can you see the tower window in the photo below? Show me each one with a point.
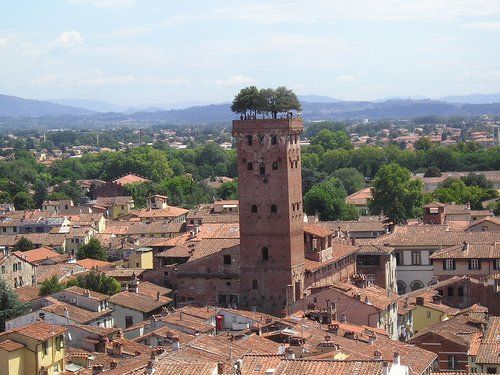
(265, 253)
(275, 165)
(261, 139)
(274, 208)
(227, 260)
(254, 208)
(274, 139)
(249, 140)
(255, 284)
(250, 166)
(262, 168)
(296, 163)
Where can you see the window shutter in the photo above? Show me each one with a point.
(444, 264)
(494, 264)
(454, 265)
(470, 264)
(479, 264)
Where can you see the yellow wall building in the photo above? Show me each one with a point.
(37, 348)
(427, 314)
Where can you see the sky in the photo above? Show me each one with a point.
(136, 52)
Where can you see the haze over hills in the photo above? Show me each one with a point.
(315, 107)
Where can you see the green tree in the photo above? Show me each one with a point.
(423, 143)
(51, 286)
(23, 201)
(228, 190)
(331, 140)
(41, 193)
(93, 250)
(454, 190)
(327, 200)
(23, 244)
(140, 191)
(352, 179)
(98, 282)
(10, 306)
(477, 179)
(396, 194)
(432, 172)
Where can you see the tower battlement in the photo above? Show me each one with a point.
(291, 125)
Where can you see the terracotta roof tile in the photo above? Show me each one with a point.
(489, 349)
(10, 346)
(91, 263)
(39, 331)
(129, 179)
(468, 251)
(138, 301)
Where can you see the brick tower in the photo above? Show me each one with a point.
(271, 219)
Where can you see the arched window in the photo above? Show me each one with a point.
(401, 287)
(261, 139)
(254, 208)
(274, 208)
(265, 253)
(250, 166)
(275, 165)
(291, 163)
(416, 285)
(296, 139)
(249, 140)
(262, 168)
(296, 163)
(274, 139)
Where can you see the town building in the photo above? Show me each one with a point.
(16, 270)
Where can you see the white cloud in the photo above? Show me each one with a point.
(483, 25)
(177, 81)
(347, 78)
(234, 80)
(4, 41)
(69, 39)
(104, 3)
(88, 79)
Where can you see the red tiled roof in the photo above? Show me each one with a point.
(316, 230)
(90, 263)
(468, 251)
(328, 367)
(129, 179)
(39, 331)
(10, 346)
(39, 254)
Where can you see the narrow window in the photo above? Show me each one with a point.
(275, 165)
(265, 253)
(296, 163)
(255, 284)
(450, 291)
(249, 140)
(45, 347)
(274, 208)
(274, 139)
(227, 260)
(262, 168)
(254, 208)
(261, 139)
(250, 166)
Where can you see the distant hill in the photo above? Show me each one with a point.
(91, 105)
(401, 109)
(13, 106)
(472, 99)
(318, 99)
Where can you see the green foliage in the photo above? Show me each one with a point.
(477, 179)
(454, 190)
(96, 281)
(23, 201)
(396, 194)
(23, 244)
(423, 143)
(351, 179)
(93, 250)
(331, 140)
(250, 101)
(184, 191)
(495, 207)
(51, 286)
(432, 172)
(10, 306)
(228, 190)
(140, 191)
(327, 200)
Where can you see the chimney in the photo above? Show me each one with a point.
(120, 333)
(385, 368)
(150, 367)
(333, 328)
(220, 368)
(230, 353)
(112, 365)
(158, 295)
(377, 355)
(371, 340)
(420, 301)
(343, 318)
(465, 246)
(134, 284)
(97, 369)
(176, 345)
(86, 293)
(436, 299)
(289, 354)
(117, 349)
(397, 359)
